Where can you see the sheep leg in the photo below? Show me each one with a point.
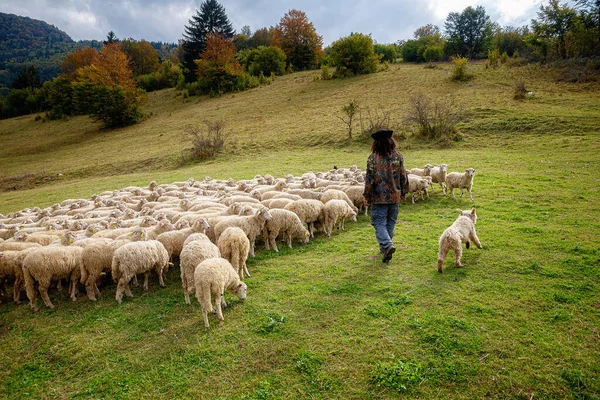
(413, 197)
(17, 291)
(97, 291)
(245, 269)
(266, 238)
(159, 272)
(146, 276)
(128, 289)
(74, 288)
(135, 281)
(470, 194)
(443, 189)
(219, 300)
(452, 193)
(457, 256)
(473, 237)
(462, 191)
(205, 317)
(59, 285)
(44, 293)
(120, 288)
(289, 240)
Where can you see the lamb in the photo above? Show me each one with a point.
(334, 194)
(287, 223)
(425, 171)
(97, 258)
(356, 195)
(212, 277)
(278, 203)
(438, 175)
(11, 267)
(51, 263)
(417, 184)
(251, 225)
(196, 250)
(309, 211)
(335, 213)
(173, 240)
(461, 231)
(461, 181)
(305, 193)
(136, 258)
(235, 247)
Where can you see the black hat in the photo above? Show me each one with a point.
(382, 133)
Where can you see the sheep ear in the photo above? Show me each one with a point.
(473, 211)
(239, 286)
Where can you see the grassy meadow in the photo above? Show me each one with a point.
(328, 320)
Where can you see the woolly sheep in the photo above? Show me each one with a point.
(173, 240)
(334, 194)
(309, 211)
(136, 258)
(438, 175)
(251, 225)
(212, 277)
(51, 263)
(11, 267)
(461, 181)
(335, 213)
(288, 224)
(461, 231)
(305, 193)
(356, 195)
(417, 184)
(17, 246)
(97, 258)
(278, 203)
(421, 171)
(235, 247)
(194, 252)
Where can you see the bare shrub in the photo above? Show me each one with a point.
(436, 119)
(350, 110)
(207, 141)
(520, 92)
(373, 120)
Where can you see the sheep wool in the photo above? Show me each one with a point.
(461, 181)
(336, 212)
(288, 224)
(212, 277)
(235, 247)
(194, 252)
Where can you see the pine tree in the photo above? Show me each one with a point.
(28, 78)
(211, 18)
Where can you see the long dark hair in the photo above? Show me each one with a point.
(384, 146)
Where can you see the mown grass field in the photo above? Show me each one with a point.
(327, 320)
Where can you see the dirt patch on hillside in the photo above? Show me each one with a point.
(25, 181)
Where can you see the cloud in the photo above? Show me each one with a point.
(164, 20)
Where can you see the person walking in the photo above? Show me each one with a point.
(386, 183)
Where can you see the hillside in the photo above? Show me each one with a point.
(328, 320)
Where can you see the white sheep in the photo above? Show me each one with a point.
(356, 195)
(335, 213)
(438, 175)
(251, 225)
(11, 267)
(173, 240)
(194, 252)
(136, 258)
(309, 211)
(50, 263)
(235, 247)
(212, 277)
(418, 185)
(461, 181)
(335, 194)
(425, 171)
(288, 224)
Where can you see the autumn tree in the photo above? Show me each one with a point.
(353, 55)
(262, 37)
(218, 69)
(426, 30)
(299, 40)
(553, 24)
(211, 18)
(469, 32)
(143, 59)
(106, 91)
(78, 59)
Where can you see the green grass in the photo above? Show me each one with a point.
(327, 320)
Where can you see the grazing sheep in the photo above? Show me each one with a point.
(194, 252)
(278, 203)
(212, 277)
(335, 194)
(305, 193)
(335, 213)
(173, 240)
(425, 171)
(461, 231)
(461, 181)
(51, 263)
(235, 247)
(251, 225)
(288, 224)
(309, 211)
(11, 267)
(136, 258)
(417, 185)
(438, 175)
(17, 246)
(356, 195)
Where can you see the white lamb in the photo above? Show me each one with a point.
(309, 211)
(334, 194)
(425, 171)
(417, 185)
(461, 181)
(212, 277)
(336, 212)
(288, 224)
(196, 250)
(251, 225)
(235, 247)
(438, 175)
(137, 258)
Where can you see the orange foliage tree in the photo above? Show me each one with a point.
(78, 59)
(106, 91)
(299, 40)
(218, 69)
(143, 59)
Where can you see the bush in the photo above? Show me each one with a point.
(326, 73)
(57, 98)
(112, 106)
(353, 55)
(520, 92)
(373, 120)
(206, 143)
(386, 52)
(436, 119)
(493, 58)
(459, 69)
(266, 61)
(167, 76)
(433, 53)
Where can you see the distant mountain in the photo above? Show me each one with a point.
(25, 41)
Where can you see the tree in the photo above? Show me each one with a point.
(143, 59)
(509, 40)
(387, 52)
(106, 91)
(211, 18)
(78, 59)
(353, 55)
(427, 30)
(28, 78)
(218, 69)
(553, 24)
(56, 97)
(265, 60)
(593, 7)
(469, 33)
(425, 49)
(299, 40)
(262, 37)
(111, 38)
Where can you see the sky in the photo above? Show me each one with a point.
(387, 21)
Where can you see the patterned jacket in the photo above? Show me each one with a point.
(386, 181)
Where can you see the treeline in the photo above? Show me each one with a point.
(559, 32)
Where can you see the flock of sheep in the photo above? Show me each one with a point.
(210, 226)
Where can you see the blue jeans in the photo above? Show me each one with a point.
(383, 219)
